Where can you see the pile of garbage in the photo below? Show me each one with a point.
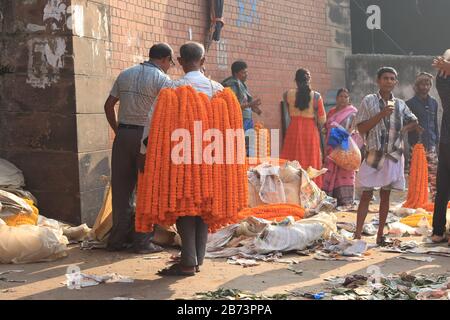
(338, 248)
(401, 286)
(288, 183)
(235, 294)
(25, 235)
(400, 223)
(260, 239)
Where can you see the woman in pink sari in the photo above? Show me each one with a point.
(340, 183)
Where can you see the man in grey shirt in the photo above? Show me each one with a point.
(136, 88)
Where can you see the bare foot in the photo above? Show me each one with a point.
(381, 239)
(438, 239)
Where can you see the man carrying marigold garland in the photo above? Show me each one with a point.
(381, 120)
(193, 230)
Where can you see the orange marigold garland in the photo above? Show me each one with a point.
(274, 212)
(145, 190)
(182, 94)
(418, 180)
(167, 190)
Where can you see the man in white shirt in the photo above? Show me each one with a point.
(193, 231)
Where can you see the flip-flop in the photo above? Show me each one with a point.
(178, 259)
(175, 270)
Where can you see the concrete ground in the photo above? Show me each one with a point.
(45, 280)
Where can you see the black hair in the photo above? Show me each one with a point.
(238, 66)
(342, 90)
(160, 51)
(192, 52)
(303, 97)
(384, 70)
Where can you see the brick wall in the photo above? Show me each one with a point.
(275, 38)
(65, 54)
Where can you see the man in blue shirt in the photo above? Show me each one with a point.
(425, 108)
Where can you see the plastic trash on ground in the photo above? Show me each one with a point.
(28, 243)
(280, 238)
(10, 175)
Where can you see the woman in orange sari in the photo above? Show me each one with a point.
(302, 140)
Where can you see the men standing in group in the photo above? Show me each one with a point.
(425, 108)
(136, 88)
(443, 174)
(382, 119)
(193, 230)
(237, 83)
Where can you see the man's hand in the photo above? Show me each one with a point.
(443, 66)
(387, 111)
(413, 126)
(257, 110)
(141, 162)
(419, 129)
(254, 105)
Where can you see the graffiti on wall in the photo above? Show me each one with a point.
(45, 59)
(46, 53)
(247, 13)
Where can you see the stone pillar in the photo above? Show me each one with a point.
(341, 46)
(51, 102)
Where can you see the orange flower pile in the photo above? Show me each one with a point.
(418, 179)
(167, 190)
(275, 212)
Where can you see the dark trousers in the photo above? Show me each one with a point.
(194, 235)
(442, 190)
(124, 172)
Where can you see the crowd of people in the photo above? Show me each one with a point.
(378, 125)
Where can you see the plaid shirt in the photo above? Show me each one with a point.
(385, 139)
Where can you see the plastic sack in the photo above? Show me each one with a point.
(12, 205)
(27, 243)
(350, 159)
(311, 196)
(399, 229)
(271, 188)
(327, 220)
(287, 238)
(265, 185)
(10, 175)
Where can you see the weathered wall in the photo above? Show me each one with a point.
(37, 102)
(65, 55)
(341, 44)
(51, 117)
(275, 38)
(361, 71)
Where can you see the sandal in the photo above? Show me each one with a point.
(177, 259)
(175, 270)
